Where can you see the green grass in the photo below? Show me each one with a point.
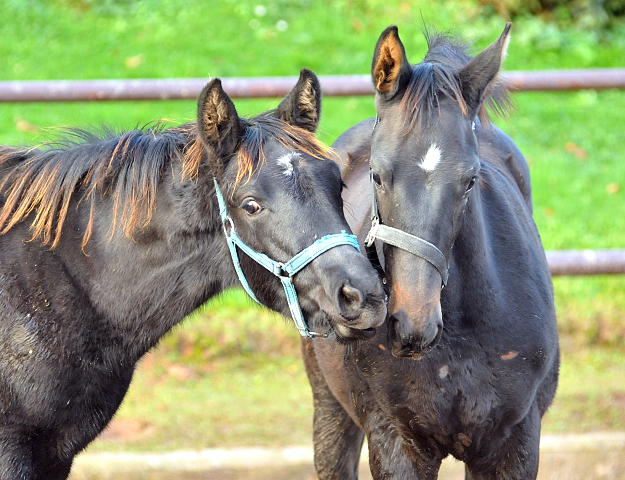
(573, 144)
(245, 385)
(591, 393)
(231, 374)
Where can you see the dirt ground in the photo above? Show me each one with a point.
(598, 456)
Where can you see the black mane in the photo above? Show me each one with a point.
(437, 75)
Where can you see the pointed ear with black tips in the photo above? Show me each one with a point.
(302, 106)
(219, 126)
(390, 69)
(477, 76)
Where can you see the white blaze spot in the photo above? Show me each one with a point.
(431, 158)
(286, 161)
(443, 371)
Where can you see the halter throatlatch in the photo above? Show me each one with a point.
(411, 243)
(284, 271)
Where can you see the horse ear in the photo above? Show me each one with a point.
(390, 67)
(218, 123)
(477, 76)
(302, 106)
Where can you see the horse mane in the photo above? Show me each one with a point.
(126, 167)
(250, 156)
(438, 73)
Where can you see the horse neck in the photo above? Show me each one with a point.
(143, 285)
(496, 223)
(471, 258)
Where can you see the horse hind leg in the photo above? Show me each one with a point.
(337, 439)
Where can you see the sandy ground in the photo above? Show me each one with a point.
(588, 456)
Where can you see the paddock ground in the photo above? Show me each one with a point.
(594, 456)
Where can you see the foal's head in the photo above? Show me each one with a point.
(424, 162)
(282, 194)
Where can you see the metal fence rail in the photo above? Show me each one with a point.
(262, 87)
(572, 262)
(586, 262)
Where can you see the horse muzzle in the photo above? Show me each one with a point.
(349, 291)
(361, 308)
(410, 338)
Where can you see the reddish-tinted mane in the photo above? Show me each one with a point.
(126, 167)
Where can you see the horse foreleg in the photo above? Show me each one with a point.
(514, 458)
(16, 456)
(52, 468)
(338, 442)
(26, 455)
(337, 439)
(467, 474)
(391, 457)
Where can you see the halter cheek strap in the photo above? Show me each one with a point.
(284, 271)
(411, 243)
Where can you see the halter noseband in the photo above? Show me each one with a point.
(284, 271)
(411, 243)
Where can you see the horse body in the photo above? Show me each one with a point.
(75, 326)
(75, 318)
(476, 389)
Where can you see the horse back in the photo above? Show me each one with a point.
(502, 153)
(353, 149)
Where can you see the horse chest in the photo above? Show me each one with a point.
(443, 400)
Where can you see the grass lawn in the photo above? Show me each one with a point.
(231, 374)
(209, 385)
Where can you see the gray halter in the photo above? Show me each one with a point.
(393, 236)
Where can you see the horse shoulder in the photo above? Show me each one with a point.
(513, 274)
(56, 384)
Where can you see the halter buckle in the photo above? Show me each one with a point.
(224, 224)
(281, 272)
(375, 223)
(311, 334)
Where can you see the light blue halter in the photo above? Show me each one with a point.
(284, 271)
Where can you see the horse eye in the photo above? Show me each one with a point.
(251, 206)
(376, 178)
(471, 183)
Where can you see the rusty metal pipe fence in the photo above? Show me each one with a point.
(571, 262)
(263, 87)
(586, 262)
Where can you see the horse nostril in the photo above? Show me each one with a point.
(351, 295)
(350, 299)
(412, 338)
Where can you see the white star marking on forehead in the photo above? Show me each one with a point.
(431, 159)
(286, 161)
